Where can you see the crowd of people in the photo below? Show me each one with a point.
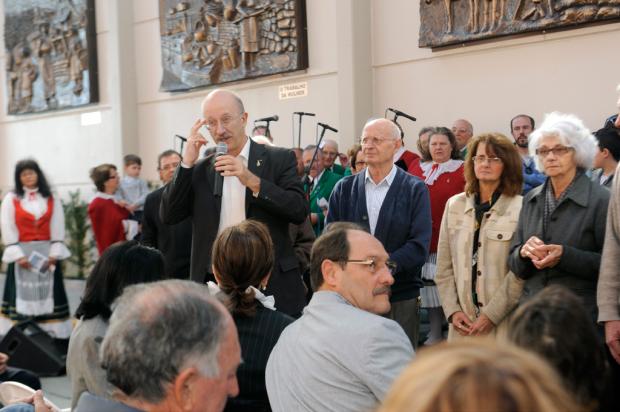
(262, 278)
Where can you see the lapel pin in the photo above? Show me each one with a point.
(258, 163)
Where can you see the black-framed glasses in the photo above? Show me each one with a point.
(373, 264)
(557, 151)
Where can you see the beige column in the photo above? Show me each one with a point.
(122, 79)
(354, 69)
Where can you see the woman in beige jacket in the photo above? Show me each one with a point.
(476, 287)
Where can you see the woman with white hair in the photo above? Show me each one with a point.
(561, 227)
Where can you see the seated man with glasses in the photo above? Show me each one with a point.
(340, 355)
(174, 241)
(393, 206)
(259, 182)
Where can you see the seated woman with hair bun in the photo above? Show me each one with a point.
(243, 259)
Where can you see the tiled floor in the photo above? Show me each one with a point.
(58, 389)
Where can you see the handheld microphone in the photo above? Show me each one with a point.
(273, 118)
(328, 127)
(218, 179)
(402, 114)
(304, 114)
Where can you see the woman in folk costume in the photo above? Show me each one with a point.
(33, 231)
(443, 176)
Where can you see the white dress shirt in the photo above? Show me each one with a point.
(314, 181)
(232, 210)
(375, 194)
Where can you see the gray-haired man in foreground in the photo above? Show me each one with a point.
(170, 347)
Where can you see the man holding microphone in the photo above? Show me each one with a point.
(259, 182)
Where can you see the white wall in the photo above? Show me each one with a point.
(64, 148)
(363, 58)
(573, 71)
(161, 115)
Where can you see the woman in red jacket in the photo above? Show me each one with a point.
(108, 218)
(444, 177)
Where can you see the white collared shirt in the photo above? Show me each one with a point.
(315, 180)
(375, 195)
(232, 210)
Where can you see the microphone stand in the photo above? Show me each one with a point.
(266, 126)
(182, 139)
(299, 133)
(397, 114)
(306, 178)
(268, 130)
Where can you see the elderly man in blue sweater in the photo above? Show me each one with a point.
(394, 206)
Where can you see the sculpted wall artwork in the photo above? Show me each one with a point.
(448, 22)
(208, 42)
(51, 59)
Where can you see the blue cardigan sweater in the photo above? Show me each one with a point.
(403, 227)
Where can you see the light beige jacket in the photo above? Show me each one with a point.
(498, 288)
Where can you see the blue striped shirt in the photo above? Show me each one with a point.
(375, 194)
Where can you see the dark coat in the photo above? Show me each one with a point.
(174, 241)
(257, 337)
(578, 224)
(403, 227)
(280, 202)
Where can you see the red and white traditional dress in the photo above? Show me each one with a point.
(109, 221)
(34, 224)
(443, 180)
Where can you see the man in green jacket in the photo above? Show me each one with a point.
(330, 154)
(322, 182)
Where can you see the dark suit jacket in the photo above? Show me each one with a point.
(257, 337)
(280, 202)
(578, 224)
(174, 241)
(303, 238)
(403, 227)
(406, 160)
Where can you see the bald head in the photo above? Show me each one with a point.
(380, 139)
(387, 126)
(223, 96)
(463, 131)
(225, 118)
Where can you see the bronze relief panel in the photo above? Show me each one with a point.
(449, 22)
(209, 42)
(51, 57)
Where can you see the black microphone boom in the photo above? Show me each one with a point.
(273, 118)
(328, 127)
(304, 113)
(218, 179)
(402, 114)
